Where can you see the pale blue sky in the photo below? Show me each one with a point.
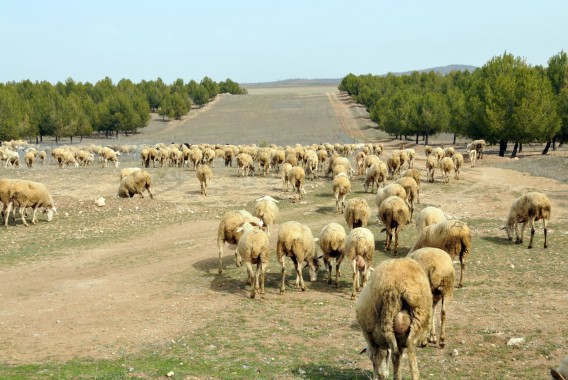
(264, 40)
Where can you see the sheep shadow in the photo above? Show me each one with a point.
(498, 240)
(326, 210)
(314, 371)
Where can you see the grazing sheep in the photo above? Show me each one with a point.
(359, 249)
(204, 175)
(446, 166)
(560, 373)
(286, 167)
(414, 174)
(478, 146)
(431, 164)
(229, 232)
(411, 154)
(338, 169)
(375, 176)
(393, 164)
(266, 209)
(252, 248)
(360, 161)
(311, 162)
(530, 207)
(42, 156)
(339, 161)
(341, 187)
(458, 163)
(439, 153)
(296, 241)
(389, 190)
(427, 216)
(452, 236)
(449, 152)
(332, 243)
(228, 157)
(297, 178)
(135, 183)
(439, 267)
(357, 213)
(23, 193)
(196, 156)
(394, 312)
(277, 159)
(428, 150)
(109, 155)
(412, 191)
(394, 214)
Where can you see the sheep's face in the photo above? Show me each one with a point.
(50, 212)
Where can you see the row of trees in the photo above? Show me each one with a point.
(65, 110)
(505, 101)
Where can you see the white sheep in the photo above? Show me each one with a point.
(245, 164)
(23, 193)
(127, 171)
(135, 183)
(478, 146)
(427, 216)
(295, 240)
(375, 176)
(393, 164)
(286, 167)
(356, 213)
(204, 174)
(29, 158)
(229, 232)
(332, 244)
(472, 157)
(359, 249)
(109, 155)
(439, 267)
(394, 311)
(458, 163)
(453, 236)
(297, 177)
(266, 209)
(560, 373)
(530, 207)
(341, 187)
(412, 191)
(431, 164)
(252, 248)
(446, 165)
(394, 214)
(411, 154)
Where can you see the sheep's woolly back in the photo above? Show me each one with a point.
(530, 205)
(267, 210)
(439, 268)
(414, 174)
(427, 216)
(229, 224)
(389, 190)
(295, 239)
(332, 240)
(357, 212)
(453, 236)
(127, 171)
(135, 183)
(204, 173)
(394, 212)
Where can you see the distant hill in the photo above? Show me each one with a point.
(335, 81)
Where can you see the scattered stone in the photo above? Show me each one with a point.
(454, 352)
(516, 342)
(170, 374)
(100, 202)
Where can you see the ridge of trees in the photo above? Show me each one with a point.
(504, 101)
(33, 110)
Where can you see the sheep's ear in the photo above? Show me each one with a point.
(363, 351)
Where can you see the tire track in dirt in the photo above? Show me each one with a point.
(345, 118)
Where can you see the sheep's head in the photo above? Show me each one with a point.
(50, 211)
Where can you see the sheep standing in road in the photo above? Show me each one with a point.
(252, 248)
(341, 187)
(394, 214)
(229, 232)
(359, 249)
(357, 213)
(266, 209)
(204, 175)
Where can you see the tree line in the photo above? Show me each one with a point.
(34, 110)
(506, 101)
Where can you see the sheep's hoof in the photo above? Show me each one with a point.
(281, 291)
(442, 344)
(546, 246)
(220, 271)
(460, 285)
(433, 339)
(529, 247)
(252, 295)
(353, 296)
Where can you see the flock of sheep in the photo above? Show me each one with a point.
(398, 297)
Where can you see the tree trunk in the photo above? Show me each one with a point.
(554, 144)
(417, 139)
(454, 139)
(502, 148)
(71, 139)
(514, 152)
(520, 147)
(426, 139)
(546, 148)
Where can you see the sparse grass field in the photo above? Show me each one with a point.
(131, 291)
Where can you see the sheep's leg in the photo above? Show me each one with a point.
(395, 356)
(443, 324)
(34, 215)
(238, 258)
(282, 288)
(23, 216)
(396, 241)
(545, 242)
(462, 271)
(220, 244)
(531, 222)
(519, 237)
(7, 210)
(337, 273)
(432, 338)
(328, 266)
(299, 277)
(380, 358)
(251, 278)
(387, 240)
(355, 277)
(262, 270)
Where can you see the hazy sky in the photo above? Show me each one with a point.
(267, 40)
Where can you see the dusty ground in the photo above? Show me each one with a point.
(123, 294)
